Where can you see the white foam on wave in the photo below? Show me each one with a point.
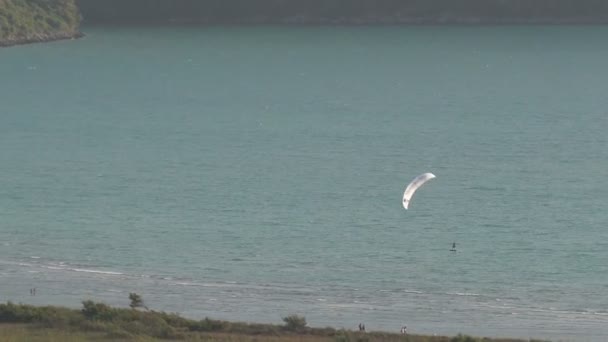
(413, 291)
(464, 294)
(587, 316)
(53, 267)
(403, 291)
(187, 283)
(63, 267)
(57, 266)
(363, 306)
(257, 287)
(95, 271)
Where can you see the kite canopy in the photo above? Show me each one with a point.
(414, 185)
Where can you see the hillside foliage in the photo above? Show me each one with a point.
(35, 20)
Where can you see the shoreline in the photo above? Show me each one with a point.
(369, 20)
(305, 22)
(298, 21)
(41, 38)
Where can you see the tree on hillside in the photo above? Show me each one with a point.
(136, 301)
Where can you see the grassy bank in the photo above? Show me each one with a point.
(100, 322)
(25, 21)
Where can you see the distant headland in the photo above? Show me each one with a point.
(28, 21)
(24, 21)
(344, 12)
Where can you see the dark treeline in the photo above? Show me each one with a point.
(343, 11)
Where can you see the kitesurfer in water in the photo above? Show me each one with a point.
(453, 247)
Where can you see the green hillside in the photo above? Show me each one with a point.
(23, 21)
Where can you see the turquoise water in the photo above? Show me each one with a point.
(253, 173)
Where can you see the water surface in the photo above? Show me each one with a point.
(252, 173)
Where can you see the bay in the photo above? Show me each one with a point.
(249, 173)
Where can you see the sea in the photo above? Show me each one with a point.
(251, 173)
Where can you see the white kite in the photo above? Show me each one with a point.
(414, 185)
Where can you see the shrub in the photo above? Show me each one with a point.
(346, 336)
(463, 338)
(207, 325)
(176, 320)
(327, 331)
(47, 316)
(342, 336)
(252, 329)
(136, 301)
(97, 311)
(11, 313)
(150, 324)
(295, 323)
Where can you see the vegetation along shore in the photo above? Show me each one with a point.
(100, 322)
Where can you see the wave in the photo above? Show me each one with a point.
(95, 271)
(403, 291)
(412, 291)
(187, 283)
(363, 306)
(487, 188)
(58, 266)
(582, 315)
(65, 268)
(258, 288)
(501, 306)
(464, 294)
